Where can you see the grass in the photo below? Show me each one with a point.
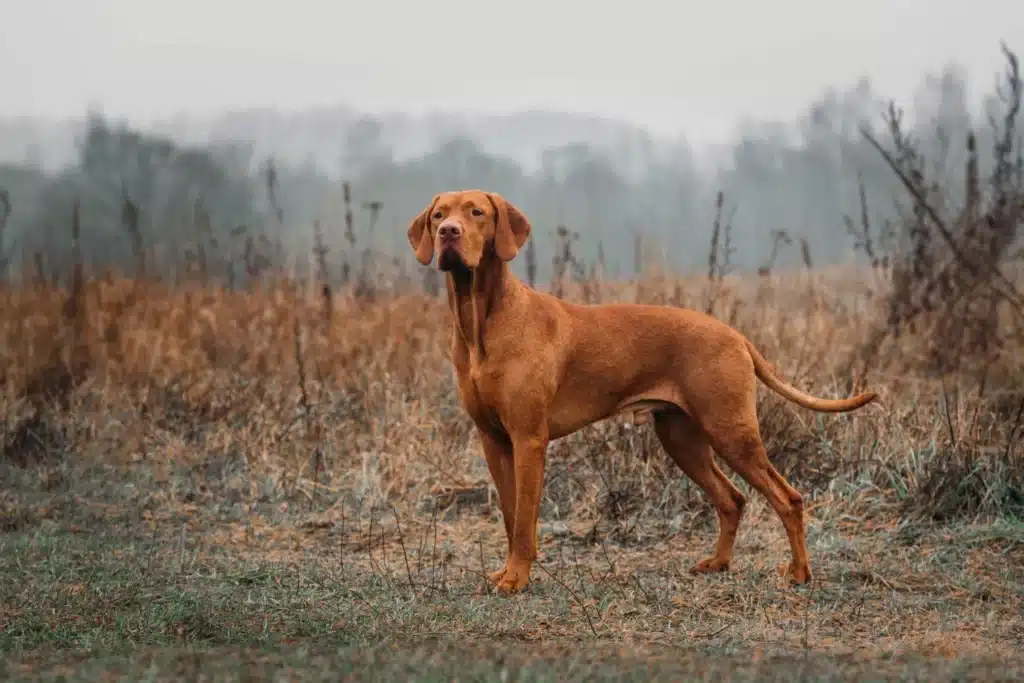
(94, 568)
(118, 571)
(219, 495)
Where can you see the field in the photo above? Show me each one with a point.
(211, 485)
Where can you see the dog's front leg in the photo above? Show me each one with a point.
(500, 461)
(530, 453)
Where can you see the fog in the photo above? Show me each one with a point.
(610, 122)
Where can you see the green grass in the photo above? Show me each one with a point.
(105, 579)
(450, 661)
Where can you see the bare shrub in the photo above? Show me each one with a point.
(949, 273)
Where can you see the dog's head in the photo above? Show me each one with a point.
(465, 226)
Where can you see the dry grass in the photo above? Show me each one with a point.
(204, 468)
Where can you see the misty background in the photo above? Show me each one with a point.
(611, 123)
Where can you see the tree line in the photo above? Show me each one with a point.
(788, 193)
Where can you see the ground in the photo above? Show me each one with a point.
(199, 484)
(99, 562)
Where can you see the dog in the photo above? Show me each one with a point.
(531, 368)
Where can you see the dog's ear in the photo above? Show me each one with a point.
(419, 235)
(512, 227)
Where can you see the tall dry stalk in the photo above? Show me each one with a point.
(130, 222)
(5, 214)
(350, 233)
(719, 255)
(277, 241)
(323, 273)
(531, 263)
(565, 263)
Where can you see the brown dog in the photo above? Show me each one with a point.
(532, 368)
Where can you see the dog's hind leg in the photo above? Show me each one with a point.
(732, 428)
(687, 444)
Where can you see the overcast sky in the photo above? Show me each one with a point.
(693, 67)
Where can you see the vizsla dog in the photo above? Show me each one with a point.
(532, 368)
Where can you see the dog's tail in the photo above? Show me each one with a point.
(766, 374)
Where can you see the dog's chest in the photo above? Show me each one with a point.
(477, 393)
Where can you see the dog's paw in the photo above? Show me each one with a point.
(710, 565)
(496, 577)
(514, 580)
(799, 575)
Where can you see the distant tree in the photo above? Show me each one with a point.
(166, 183)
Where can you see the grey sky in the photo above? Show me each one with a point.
(694, 67)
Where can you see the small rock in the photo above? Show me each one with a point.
(558, 529)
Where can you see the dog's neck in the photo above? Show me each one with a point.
(474, 296)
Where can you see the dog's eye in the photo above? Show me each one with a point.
(438, 215)
(477, 212)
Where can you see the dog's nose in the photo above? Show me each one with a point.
(449, 231)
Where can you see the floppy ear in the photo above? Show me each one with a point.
(419, 236)
(512, 227)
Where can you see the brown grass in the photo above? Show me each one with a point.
(375, 377)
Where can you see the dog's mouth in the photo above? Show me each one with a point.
(451, 259)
